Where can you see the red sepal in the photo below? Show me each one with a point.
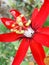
(41, 16)
(44, 30)
(7, 22)
(38, 52)
(42, 38)
(15, 13)
(9, 37)
(34, 14)
(46, 0)
(21, 52)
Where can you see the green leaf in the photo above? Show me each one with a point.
(25, 63)
(46, 49)
(47, 22)
(2, 28)
(16, 44)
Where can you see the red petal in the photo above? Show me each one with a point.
(21, 52)
(24, 20)
(38, 52)
(34, 14)
(41, 16)
(44, 30)
(7, 22)
(9, 37)
(42, 38)
(15, 13)
(46, 0)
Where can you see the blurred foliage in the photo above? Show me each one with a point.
(8, 50)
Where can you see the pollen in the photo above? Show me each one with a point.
(12, 30)
(13, 25)
(20, 24)
(19, 32)
(19, 21)
(28, 23)
(21, 15)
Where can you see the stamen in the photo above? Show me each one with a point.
(17, 31)
(18, 18)
(28, 23)
(21, 15)
(19, 21)
(12, 30)
(13, 25)
(27, 33)
(20, 24)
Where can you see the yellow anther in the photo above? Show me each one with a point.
(21, 15)
(17, 31)
(20, 32)
(19, 21)
(12, 30)
(13, 25)
(28, 23)
(20, 24)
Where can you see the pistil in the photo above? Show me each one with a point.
(29, 32)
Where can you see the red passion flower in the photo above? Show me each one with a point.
(31, 32)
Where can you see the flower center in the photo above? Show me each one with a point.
(22, 28)
(29, 32)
